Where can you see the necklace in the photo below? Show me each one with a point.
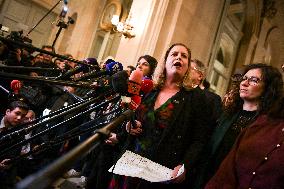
(245, 118)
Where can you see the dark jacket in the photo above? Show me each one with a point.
(215, 105)
(205, 170)
(184, 138)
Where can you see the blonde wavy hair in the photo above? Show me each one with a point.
(160, 75)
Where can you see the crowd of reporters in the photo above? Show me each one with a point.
(19, 96)
(27, 100)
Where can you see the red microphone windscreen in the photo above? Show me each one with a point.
(15, 86)
(147, 86)
(135, 102)
(134, 83)
(136, 76)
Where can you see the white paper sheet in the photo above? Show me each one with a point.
(134, 165)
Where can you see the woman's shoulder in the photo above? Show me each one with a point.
(196, 92)
(196, 97)
(267, 119)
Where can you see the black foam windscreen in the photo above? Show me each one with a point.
(119, 82)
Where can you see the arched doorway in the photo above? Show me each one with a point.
(226, 46)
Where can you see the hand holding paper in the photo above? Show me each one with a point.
(178, 174)
(134, 165)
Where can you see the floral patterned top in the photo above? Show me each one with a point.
(153, 124)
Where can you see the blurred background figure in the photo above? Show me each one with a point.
(45, 61)
(147, 65)
(37, 58)
(130, 69)
(198, 78)
(3, 51)
(69, 64)
(60, 64)
(47, 58)
(233, 92)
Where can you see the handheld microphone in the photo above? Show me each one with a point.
(146, 86)
(135, 81)
(133, 90)
(73, 71)
(135, 102)
(110, 69)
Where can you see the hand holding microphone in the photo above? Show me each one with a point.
(5, 164)
(112, 139)
(134, 99)
(137, 130)
(146, 87)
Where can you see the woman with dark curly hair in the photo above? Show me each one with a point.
(260, 90)
(147, 64)
(256, 159)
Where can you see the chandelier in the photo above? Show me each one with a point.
(125, 28)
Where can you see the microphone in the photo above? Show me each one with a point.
(28, 69)
(16, 85)
(111, 68)
(135, 81)
(117, 82)
(120, 83)
(146, 86)
(73, 71)
(135, 102)
(133, 90)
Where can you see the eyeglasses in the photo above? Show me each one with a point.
(251, 80)
(196, 69)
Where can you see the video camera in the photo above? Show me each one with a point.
(18, 36)
(10, 45)
(3, 30)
